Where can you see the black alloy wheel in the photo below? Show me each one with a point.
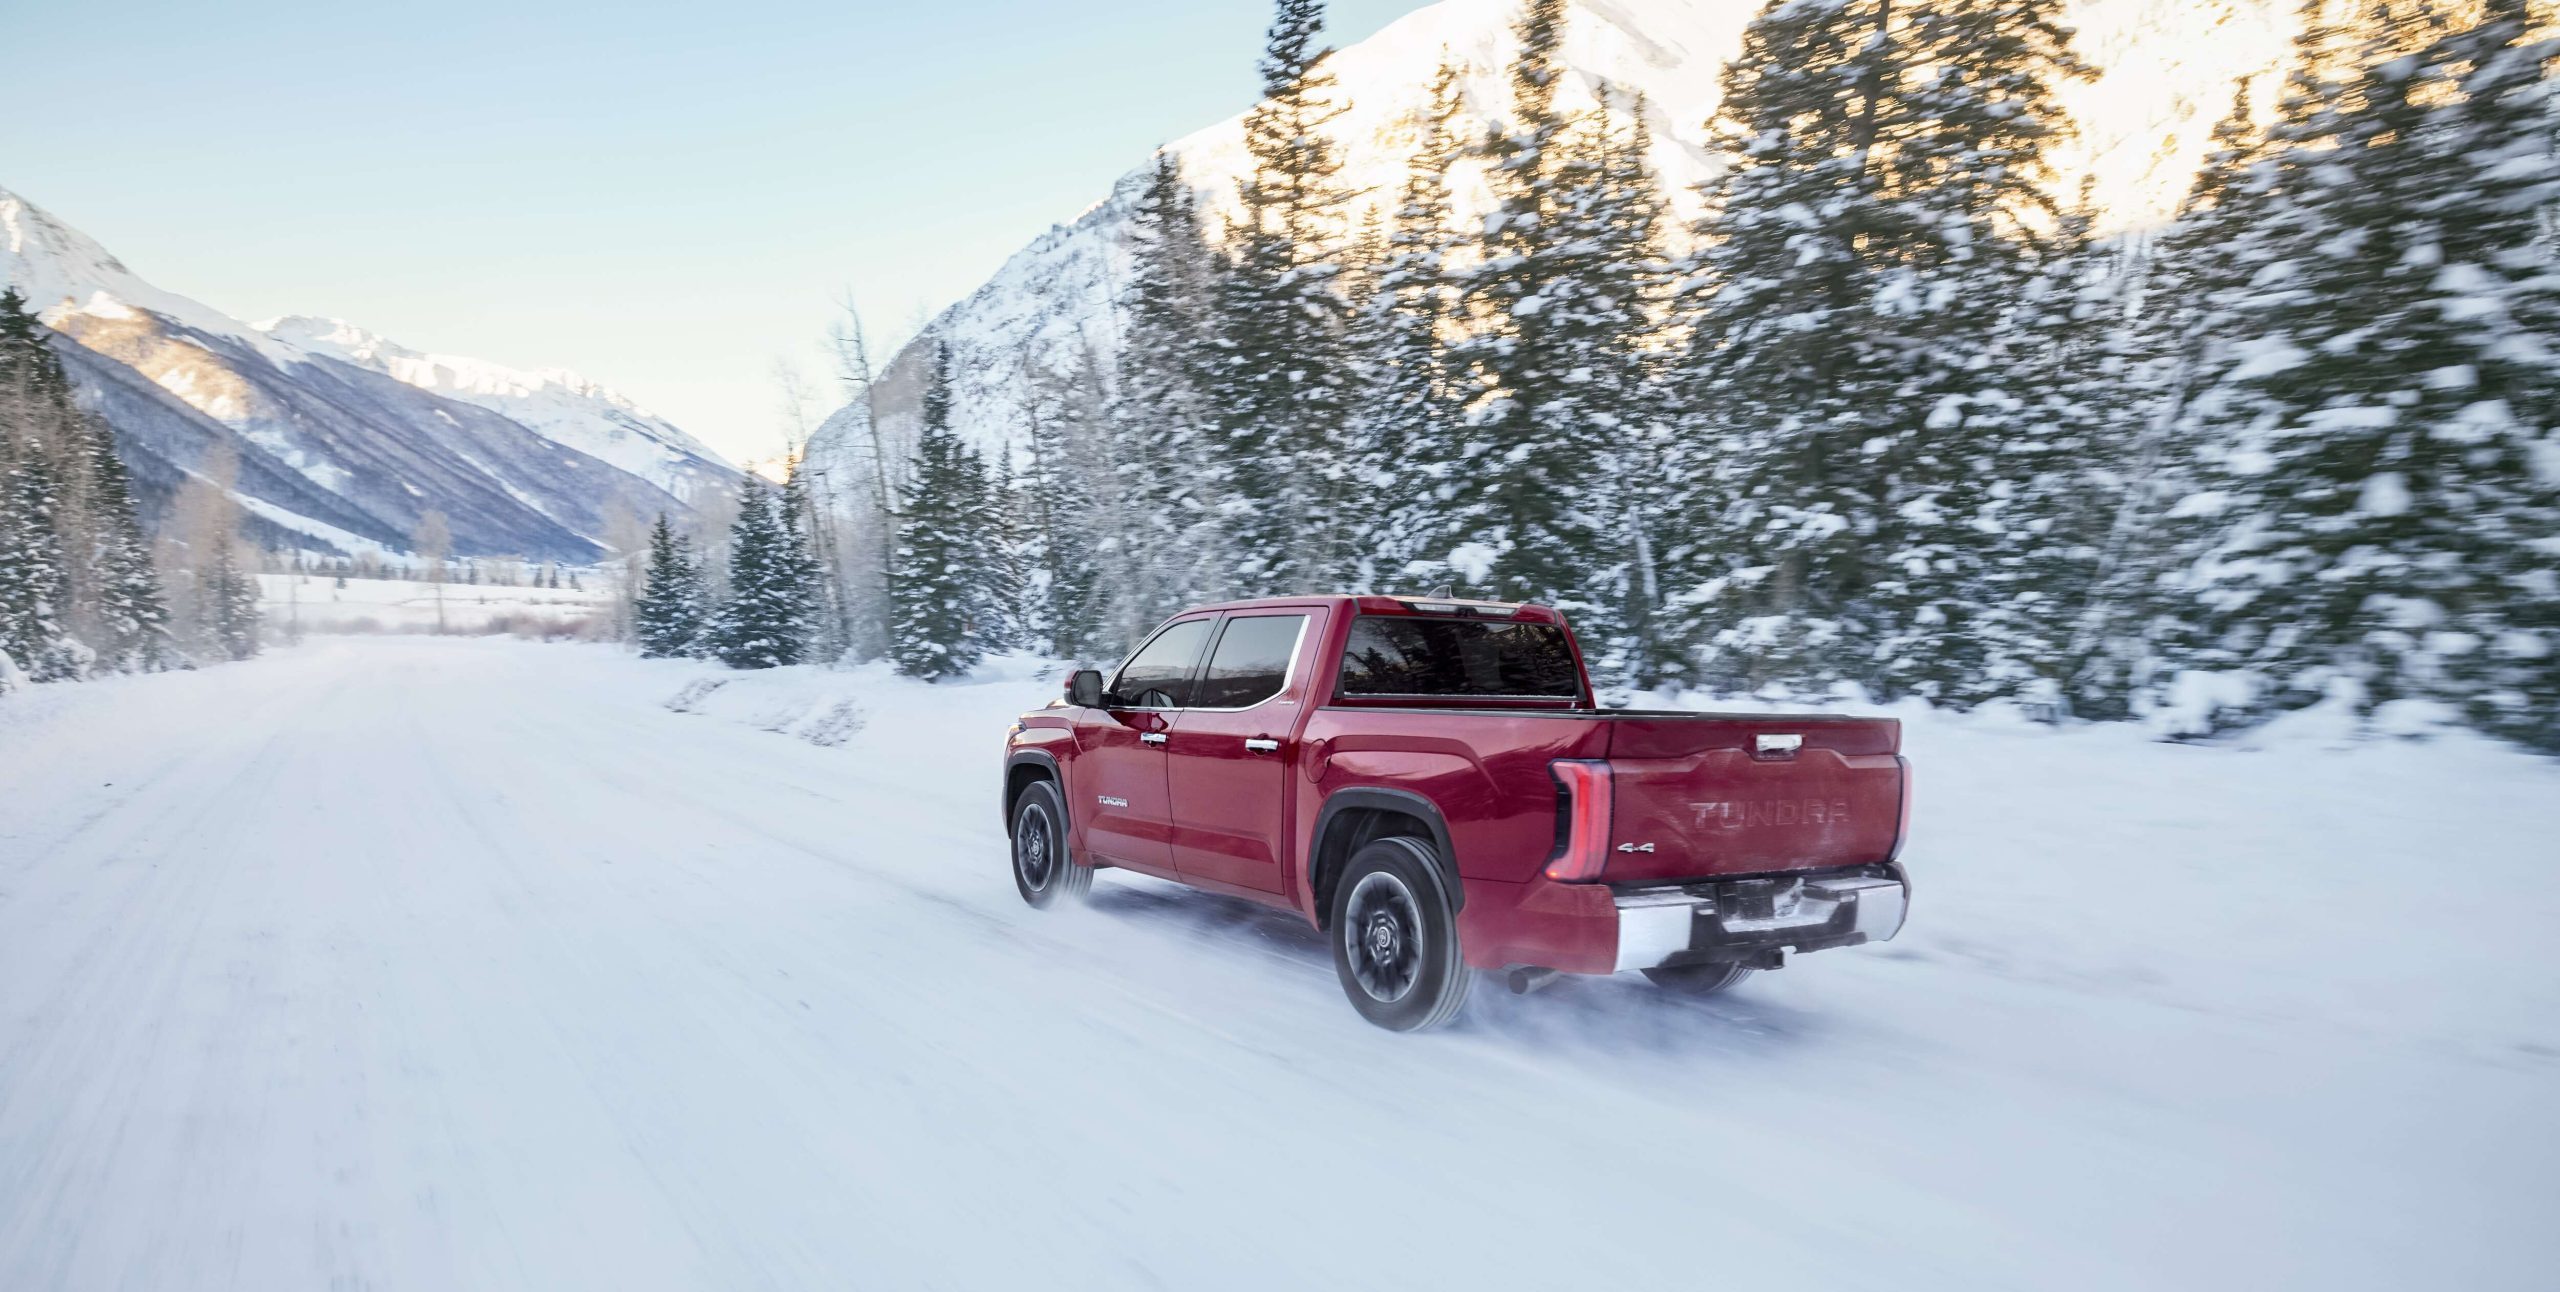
(1395, 938)
(1042, 870)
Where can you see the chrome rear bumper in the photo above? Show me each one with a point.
(1752, 919)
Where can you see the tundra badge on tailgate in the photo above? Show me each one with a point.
(1734, 816)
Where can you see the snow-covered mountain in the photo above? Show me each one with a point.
(2166, 67)
(566, 408)
(342, 436)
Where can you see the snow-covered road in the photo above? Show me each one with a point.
(410, 964)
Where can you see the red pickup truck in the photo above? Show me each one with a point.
(1432, 783)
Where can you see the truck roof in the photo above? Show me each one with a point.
(1400, 604)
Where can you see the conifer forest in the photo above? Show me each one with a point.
(82, 590)
(1892, 420)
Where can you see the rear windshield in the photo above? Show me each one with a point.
(1458, 658)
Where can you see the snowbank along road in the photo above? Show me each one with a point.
(407, 964)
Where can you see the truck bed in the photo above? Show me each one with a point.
(1694, 796)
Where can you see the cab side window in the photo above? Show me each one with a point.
(1251, 662)
(1159, 675)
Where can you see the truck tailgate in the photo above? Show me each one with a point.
(1698, 796)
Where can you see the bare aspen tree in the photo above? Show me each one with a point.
(816, 481)
(200, 551)
(627, 534)
(863, 508)
(432, 540)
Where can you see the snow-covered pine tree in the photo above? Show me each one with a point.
(2377, 482)
(1011, 617)
(1796, 381)
(1991, 519)
(1609, 297)
(35, 573)
(1530, 517)
(1362, 271)
(2140, 625)
(2040, 543)
(29, 370)
(231, 585)
(668, 620)
(1072, 497)
(767, 619)
(1160, 537)
(1857, 373)
(1406, 465)
(2499, 297)
(130, 616)
(1975, 160)
(104, 611)
(35, 583)
(937, 578)
(1284, 387)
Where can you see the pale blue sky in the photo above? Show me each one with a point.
(664, 196)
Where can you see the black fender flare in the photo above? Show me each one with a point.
(1039, 757)
(1379, 799)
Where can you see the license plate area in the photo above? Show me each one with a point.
(1768, 905)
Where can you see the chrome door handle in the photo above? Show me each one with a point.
(1153, 738)
(1259, 745)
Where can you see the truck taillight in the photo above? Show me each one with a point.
(1586, 834)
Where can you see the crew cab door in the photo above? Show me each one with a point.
(1119, 773)
(1232, 752)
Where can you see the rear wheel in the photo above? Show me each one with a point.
(1395, 938)
(1699, 980)
(1042, 871)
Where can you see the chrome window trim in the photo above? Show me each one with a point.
(1296, 645)
(1490, 699)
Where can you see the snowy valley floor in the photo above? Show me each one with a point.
(442, 964)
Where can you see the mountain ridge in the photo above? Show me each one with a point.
(523, 463)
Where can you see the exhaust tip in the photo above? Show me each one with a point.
(1526, 979)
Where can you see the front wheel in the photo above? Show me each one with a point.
(1395, 938)
(1042, 871)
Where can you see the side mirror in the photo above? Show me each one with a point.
(1084, 688)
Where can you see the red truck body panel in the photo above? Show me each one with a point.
(1693, 787)
(1694, 797)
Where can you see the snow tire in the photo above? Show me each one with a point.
(1395, 937)
(1043, 871)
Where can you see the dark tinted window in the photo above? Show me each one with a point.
(1458, 658)
(1159, 675)
(1250, 663)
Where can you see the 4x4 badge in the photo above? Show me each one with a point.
(1635, 847)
